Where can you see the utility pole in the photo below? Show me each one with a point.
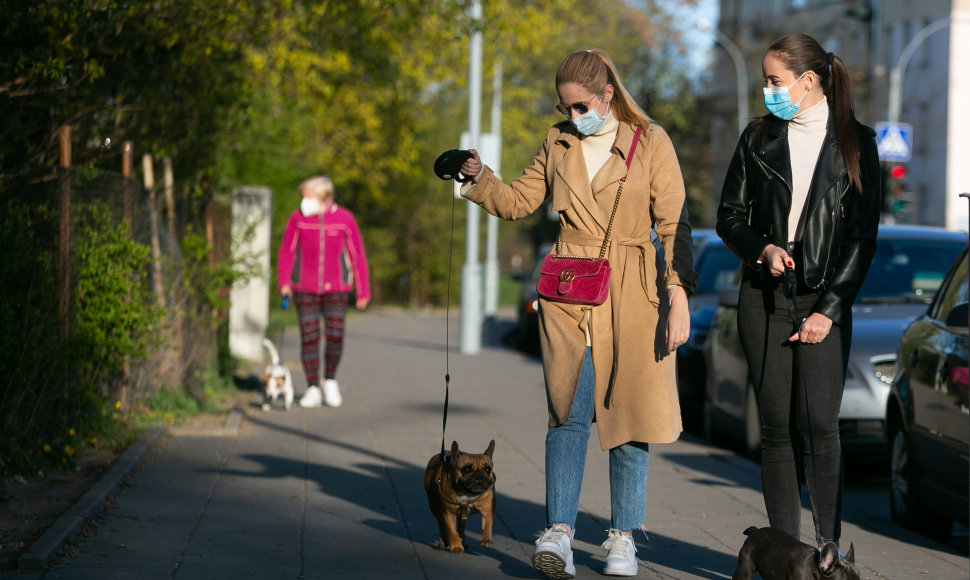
(896, 75)
(471, 272)
(491, 247)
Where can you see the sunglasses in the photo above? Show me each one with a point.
(581, 108)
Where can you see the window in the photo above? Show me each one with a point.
(955, 293)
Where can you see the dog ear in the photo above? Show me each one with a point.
(850, 555)
(828, 557)
(454, 450)
(491, 448)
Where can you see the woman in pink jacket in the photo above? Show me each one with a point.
(321, 260)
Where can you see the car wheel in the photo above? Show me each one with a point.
(752, 425)
(904, 493)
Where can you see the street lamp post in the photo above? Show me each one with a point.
(471, 272)
(742, 72)
(896, 75)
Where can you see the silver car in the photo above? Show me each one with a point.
(908, 268)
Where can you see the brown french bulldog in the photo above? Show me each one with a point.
(778, 556)
(460, 484)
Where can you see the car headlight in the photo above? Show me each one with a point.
(885, 370)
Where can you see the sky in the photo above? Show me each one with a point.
(700, 42)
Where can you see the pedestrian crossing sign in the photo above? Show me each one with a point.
(894, 141)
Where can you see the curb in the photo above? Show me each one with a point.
(40, 553)
(38, 557)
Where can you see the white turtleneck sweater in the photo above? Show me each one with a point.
(598, 147)
(805, 135)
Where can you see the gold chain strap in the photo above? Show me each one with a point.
(616, 203)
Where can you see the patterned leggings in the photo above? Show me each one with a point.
(309, 308)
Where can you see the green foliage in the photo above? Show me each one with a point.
(116, 315)
(162, 74)
(31, 340)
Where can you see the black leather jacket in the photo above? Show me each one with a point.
(839, 231)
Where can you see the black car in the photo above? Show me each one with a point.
(908, 268)
(527, 329)
(928, 414)
(715, 266)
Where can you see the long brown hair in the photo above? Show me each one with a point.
(800, 53)
(592, 69)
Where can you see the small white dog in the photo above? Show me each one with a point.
(276, 379)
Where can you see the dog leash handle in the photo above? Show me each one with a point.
(286, 302)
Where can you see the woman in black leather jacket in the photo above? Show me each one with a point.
(802, 195)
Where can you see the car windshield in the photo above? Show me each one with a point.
(907, 270)
(716, 268)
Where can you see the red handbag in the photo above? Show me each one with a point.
(581, 279)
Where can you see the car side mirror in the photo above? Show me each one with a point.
(956, 320)
(728, 296)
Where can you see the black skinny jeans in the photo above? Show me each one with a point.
(799, 414)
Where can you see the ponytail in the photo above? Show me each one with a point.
(839, 93)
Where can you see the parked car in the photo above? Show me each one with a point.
(527, 329)
(908, 268)
(716, 267)
(927, 414)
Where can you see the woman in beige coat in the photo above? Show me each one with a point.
(611, 363)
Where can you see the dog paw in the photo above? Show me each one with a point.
(458, 549)
(266, 407)
(487, 543)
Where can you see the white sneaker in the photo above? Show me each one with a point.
(620, 558)
(553, 556)
(312, 397)
(331, 393)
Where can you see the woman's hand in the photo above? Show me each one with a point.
(286, 290)
(678, 320)
(362, 303)
(813, 330)
(472, 166)
(775, 259)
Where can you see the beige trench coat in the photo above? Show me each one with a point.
(636, 389)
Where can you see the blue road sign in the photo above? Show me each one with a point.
(894, 141)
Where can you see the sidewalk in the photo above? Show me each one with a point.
(337, 493)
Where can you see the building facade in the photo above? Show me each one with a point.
(932, 36)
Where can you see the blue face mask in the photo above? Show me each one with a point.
(590, 122)
(778, 100)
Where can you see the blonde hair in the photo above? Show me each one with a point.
(593, 69)
(318, 186)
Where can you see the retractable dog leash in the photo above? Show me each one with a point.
(448, 167)
(444, 414)
(801, 391)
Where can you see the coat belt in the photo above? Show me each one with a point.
(647, 252)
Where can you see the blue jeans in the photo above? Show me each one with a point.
(566, 457)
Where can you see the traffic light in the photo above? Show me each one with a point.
(897, 190)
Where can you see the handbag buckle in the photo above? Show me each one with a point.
(567, 276)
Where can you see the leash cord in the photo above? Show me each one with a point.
(451, 254)
(800, 388)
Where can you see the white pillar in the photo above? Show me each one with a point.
(958, 121)
(249, 300)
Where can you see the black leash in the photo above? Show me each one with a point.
(792, 279)
(451, 254)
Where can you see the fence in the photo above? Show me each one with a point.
(110, 290)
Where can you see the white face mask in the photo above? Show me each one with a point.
(310, 206)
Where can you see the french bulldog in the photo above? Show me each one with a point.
(460, 484)
(778, 556)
